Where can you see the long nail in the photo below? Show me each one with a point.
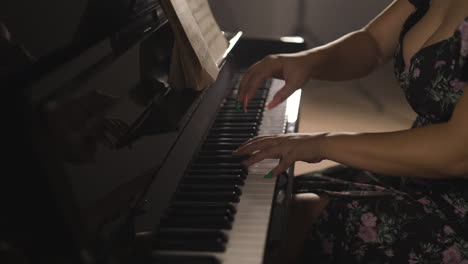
(246, 102)
(268, 175)
(272, 103)
(238, 106)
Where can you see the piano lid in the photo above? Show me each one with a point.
(94, 114)
(109, 129)
(50, 32)
(101, 122)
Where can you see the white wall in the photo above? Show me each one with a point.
(258, 18)
(325, 20)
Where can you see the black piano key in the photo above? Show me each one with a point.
(221, 152)
(214, 245)
(210, 188)
(199, 214)
(216, 146)
(239, 118)
(213, 179)
(216, 171)
(249, 106)
(230, 113)
(225, 140)
(231, 197)
(183, 259)
(207, 213)
(198, 166)
(226, 129)
(204, 205)
(207, 193)
(230, 135)
(234, 100)
(165, 233)
(233, 106)
(220, 155)
(219, 158)
(213, 142)
(253, 101)
(261, 95)
(235, 124)
(209, 222)
(249, 111)
(190, 239)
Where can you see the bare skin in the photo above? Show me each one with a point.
(434, 151)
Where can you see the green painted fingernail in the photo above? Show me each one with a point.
(238, 106)
(268, 175)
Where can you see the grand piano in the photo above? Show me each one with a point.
(106, 163)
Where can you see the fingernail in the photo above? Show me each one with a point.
(271, 103)
(246, 102)
(238, 106)
(268, 175)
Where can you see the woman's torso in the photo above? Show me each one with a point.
(430, 60)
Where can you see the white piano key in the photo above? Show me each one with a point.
(248, 236)
(254, 209)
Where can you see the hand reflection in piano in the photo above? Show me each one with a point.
(80, 124)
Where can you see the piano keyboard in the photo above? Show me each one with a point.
(220, 212)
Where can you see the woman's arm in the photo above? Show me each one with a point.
(358, 53)
(433, 151)
(349, 57)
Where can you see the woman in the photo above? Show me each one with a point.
(402, 196)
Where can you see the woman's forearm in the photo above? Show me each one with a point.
(352, 56)
(434, 151)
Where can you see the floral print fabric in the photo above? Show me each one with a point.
(380, 219)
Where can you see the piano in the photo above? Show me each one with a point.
(109, 164)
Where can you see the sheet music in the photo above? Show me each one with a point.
(203, 33)
(210, 30)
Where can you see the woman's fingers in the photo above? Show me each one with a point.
(282, 166)
(255, 76)
(281, 95)
(267, 147)
(241, 149)
(270, 153)
(273, 152)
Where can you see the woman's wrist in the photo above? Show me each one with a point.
(315, 59)
(310, 149)
(322, 148)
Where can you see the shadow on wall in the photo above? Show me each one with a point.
(321, 21)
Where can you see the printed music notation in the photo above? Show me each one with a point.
(200, 44)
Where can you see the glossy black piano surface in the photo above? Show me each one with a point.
(101, 148)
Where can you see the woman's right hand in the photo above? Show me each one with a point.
(295, 69)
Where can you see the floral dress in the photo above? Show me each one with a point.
(382, 219)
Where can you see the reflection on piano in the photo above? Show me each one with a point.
(117, 153)
(220, 210)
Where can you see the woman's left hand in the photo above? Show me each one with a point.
(288, 148)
